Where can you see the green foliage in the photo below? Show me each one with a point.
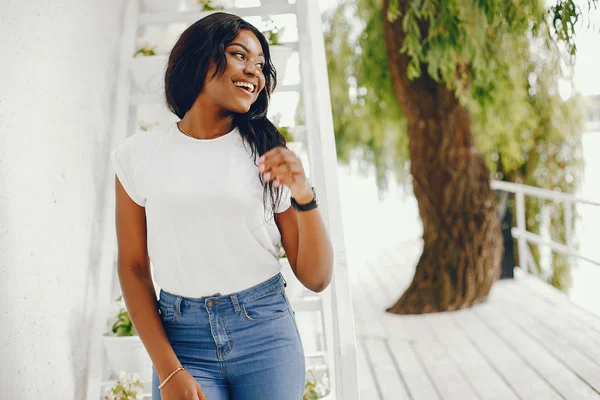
(209, 5)
(503, 60)
(127, 387)
(553, 160)
(282, 253)
(313, 389)
(369, 125)
(145, 50)
(284, 130)
(272, 32)
(123, 326)
(310, 392)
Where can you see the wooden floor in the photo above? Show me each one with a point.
(527, 342)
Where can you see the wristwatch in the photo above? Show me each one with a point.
(308, 206)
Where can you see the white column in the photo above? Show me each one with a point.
(56, 94)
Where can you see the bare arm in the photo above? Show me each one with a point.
(136, 282)
(303, 234)
(307, 246)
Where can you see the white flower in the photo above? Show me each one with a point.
(123, 375)
(108, 394)
(221, 3)
(141, 43)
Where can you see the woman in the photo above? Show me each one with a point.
(207, 199)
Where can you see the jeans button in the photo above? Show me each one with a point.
(210, 303)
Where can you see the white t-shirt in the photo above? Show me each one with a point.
(206, 223)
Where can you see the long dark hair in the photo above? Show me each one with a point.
(204, 43)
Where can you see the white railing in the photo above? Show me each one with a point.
(523, 236)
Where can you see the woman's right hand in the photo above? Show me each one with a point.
(182, 386)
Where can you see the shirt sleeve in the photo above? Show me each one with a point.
(285, 201)
(125, 165)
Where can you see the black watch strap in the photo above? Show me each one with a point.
(305, 207)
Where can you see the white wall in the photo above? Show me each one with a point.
(57, 71)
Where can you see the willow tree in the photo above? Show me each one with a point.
(431, 82)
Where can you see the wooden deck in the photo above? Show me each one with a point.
(527, 342)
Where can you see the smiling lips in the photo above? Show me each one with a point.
(245, 85)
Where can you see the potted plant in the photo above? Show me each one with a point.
(293, 136)
(207, 5)
(269, 2)
(284, 130)
(279, 52)
(127, 387)
(147, 69)
(315, 388)
(146, 126)
(124, 349)
(144, 49)
(156, 5)
(210, 5)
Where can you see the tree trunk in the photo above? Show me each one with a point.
(461, 232)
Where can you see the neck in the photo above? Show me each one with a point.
(206, 121)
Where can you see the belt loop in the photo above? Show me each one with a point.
(284, 282)
(236, 304)
(178, 306)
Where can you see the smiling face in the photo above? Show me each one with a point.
(243, 79)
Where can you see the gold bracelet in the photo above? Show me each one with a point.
(170, 376)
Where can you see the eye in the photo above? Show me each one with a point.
(239, 55)
(261, 65)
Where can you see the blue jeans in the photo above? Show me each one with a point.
(241, 346)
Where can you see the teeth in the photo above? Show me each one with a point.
(245, 84)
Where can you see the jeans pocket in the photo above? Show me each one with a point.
(271, 306)
(166, 313)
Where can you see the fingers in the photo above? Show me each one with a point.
(281, 176)
(280, 165)
(201, 395)
(273, 152)
(272, 159)
(282, 171)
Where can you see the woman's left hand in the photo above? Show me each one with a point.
(283, 167)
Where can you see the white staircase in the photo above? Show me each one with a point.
(325, 319)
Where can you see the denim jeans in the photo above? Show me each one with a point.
(241, 346)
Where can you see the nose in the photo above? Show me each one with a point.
(250, 69)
